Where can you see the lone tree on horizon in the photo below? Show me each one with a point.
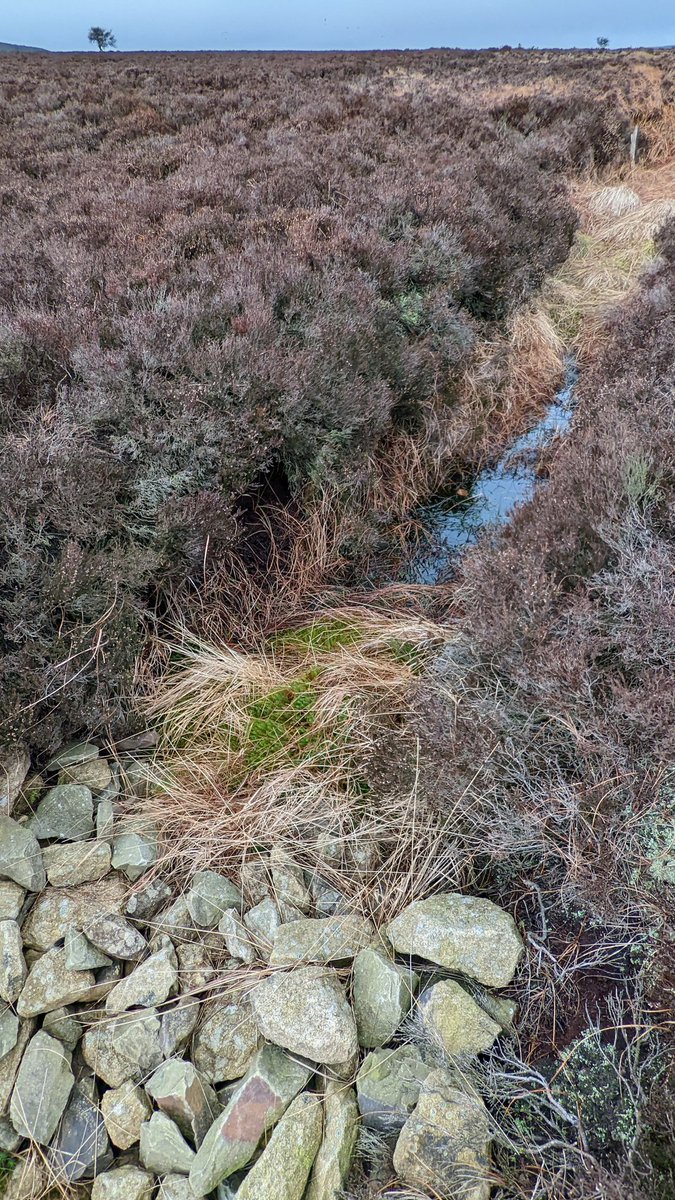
(103, 38)
(602, 43)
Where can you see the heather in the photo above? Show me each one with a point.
(222, 270)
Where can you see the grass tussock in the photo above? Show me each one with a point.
(268, 750)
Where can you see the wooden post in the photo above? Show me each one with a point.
(633, 145)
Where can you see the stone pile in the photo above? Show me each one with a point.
(231, 1039)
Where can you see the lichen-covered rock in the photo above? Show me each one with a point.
(61, 1024)
(176, 922)
(382, 995)
(306, 1011)
(262, 921)
(454, 1020)
(72, 755)
(195, 966)
(115, 936)
(11, 900)
(388, 1086)
(283, 1168)
(10, 1062)
(13, 969)
(226, 1042)
(175, 1187)
(43, 1085)
(444, 1145)
(55, 910)
(124, 1110)
(269, 1086)
(237, 937)
(76, 862)
(163, 1148)
(10, 1140)
(9, 1030)
(81, 1147)
(94, 774)
(80, 954)
(123, 1183)
(66, 813)
(340, 1130)
(209, 898)
(321, 940)
(133, 852)
(20, 856)
(145, 902)
(177, 1023)
(462, 933)
(50, 983)
(14, 767)
(123, 1048)
(288, 882)
(149, 984)
(256, 880)
(180, 1091)
(105, 820)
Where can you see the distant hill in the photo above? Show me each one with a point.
(10, 48)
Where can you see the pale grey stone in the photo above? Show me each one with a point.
(14, 767)
(123, 1183)
(143, 904)
(20, 856)
(10, 1140)
(43, 1085)
(226, 1042)
(454, 1021)
(382, 995)
(124, 1110)
(179, 1090)
(9, 1030)
(11, 900)
(73, 754)
(76, 862)
(176, 922)
(261, 1098)
(237, 937)
(288, 882)
(123, 1048)
(262, 921)
(114, 935)
(52, 984)
(133, 852)
(282, 1171)
(66, 813)
(13, 969)
(209, 898)
(149, 984)
(462, 933)
(340, 1130)
(80, 954)
(445, 1143)
(177, 1025)
(163, 1148)
(95, 774)
(9, 1062)
(195, 967)
(388, 1086)
(55, 910)
(256, 879)
(175, 1187)
(306, 1012)
(105, 820)
(61, 1024)
(321, 940)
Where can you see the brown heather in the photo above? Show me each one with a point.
(224, 269)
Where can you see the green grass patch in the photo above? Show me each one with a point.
(7, 1165)
(284, 729)
(321, 637)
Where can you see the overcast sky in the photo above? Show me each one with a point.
(342, 24)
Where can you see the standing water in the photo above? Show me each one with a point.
(452, 524)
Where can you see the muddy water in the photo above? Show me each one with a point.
(451, 523)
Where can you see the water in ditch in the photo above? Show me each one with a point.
(452, 523)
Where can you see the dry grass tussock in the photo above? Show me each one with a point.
(267, 749)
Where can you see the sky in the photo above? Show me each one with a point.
(342, 24)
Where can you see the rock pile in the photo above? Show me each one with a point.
(234, 1037)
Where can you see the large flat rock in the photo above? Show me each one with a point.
(462, 933)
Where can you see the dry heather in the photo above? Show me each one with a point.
(224, 273)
